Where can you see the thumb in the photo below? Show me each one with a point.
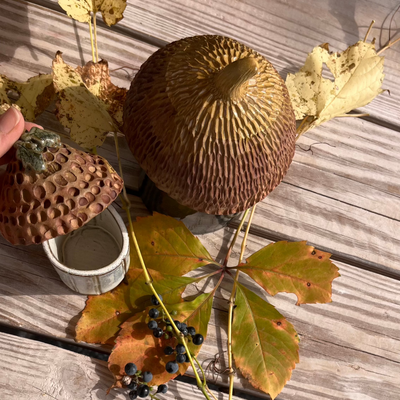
(12, 126)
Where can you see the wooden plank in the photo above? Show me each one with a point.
(342, 196)
(36, 371)
(283, 31)
(350, 349)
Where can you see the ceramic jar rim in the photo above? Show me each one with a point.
(96, 272)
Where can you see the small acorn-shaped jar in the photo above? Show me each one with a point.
(51, 189)
(211, 123)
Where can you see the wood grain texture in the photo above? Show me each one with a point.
(33, 370)
(282, 31)
(349, 349)
(342, 195)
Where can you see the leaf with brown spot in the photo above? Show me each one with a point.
(34, 95)
(96, 77)
(293, 268)
(168, 246)
(358, 76)
(265, 345)
(80, 10)
(103, 315)
(136, 342)
(78, 108)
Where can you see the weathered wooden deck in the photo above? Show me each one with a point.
(343, 197)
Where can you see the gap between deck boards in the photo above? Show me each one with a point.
(156, 42)
(271, 235)
(94, 352)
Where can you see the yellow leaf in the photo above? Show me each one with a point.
(4, 88)
(111, 10)
(34, 95)
(358, 76)
(79, 109)
(77, 9)
(96, 77)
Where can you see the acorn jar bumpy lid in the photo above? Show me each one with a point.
(211, 123)
(51, 189)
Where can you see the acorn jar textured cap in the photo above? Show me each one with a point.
(211, 123)
(73, 188)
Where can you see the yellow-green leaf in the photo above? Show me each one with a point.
(265, 345)
(103, 315)
(358, 76)
(78, 109)
(136, 342)
(293, 268)
(168, 246)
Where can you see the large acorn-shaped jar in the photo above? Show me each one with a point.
(51, 189)
(211, 123)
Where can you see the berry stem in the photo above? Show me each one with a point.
(91, 40)
(232, 303)
(127, 205)
(228, 254)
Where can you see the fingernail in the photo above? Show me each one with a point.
(9, 120)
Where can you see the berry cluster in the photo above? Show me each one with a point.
(188, 332)
(136, 381)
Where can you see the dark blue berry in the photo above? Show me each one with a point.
(180, 358)
(132, 385)
(143, 391)
(133, 395)
(172, 367)
(177, 324)
(183, 326)
(191, 331)
(155, 301)
(147, 376)
(198, 339)
(152, 324)
(162, 389)
(185, 332)
(168, 350)
(180, 349)
(154, 313)
(130, 369)
(158, 332)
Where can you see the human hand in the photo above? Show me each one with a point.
(12, 126)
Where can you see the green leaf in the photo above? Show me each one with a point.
(136, 343)
(265, 345)
(293, 268)
(168, 246)
(103, 315)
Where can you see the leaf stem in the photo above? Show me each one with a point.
(368, 31)
(232, 303)
(352, 115)
(390, 44)
(91, 40)
(149, 282)
(94, 28)
(228, 254)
